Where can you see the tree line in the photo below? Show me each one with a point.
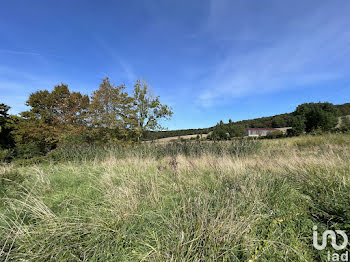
(307, 118)
(62, 117)
(236, 129)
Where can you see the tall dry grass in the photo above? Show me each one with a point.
(256, 206)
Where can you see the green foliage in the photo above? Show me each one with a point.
(280, 121)
(240, 147)
(219, 133)
(318, 116)
(275, 134)
(6, 155)
(345, 124)
(58, 108)
(63, 118)
(236, 130)
(344, 109)
(110, 106)
(298, 125)
(6, 139)
(149, 110)
(226, 131)
(52, 116)
(34, 137)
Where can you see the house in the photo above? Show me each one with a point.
(265, 131)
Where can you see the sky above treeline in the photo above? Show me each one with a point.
(210, 60)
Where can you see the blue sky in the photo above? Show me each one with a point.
(210, 60)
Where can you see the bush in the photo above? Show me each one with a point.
(30, 150)
(345, 124)
(275, 134)
(6, 155)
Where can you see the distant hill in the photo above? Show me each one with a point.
(281, 120)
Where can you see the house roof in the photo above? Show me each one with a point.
(261, 129)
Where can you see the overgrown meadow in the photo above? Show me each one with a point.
(240, 200)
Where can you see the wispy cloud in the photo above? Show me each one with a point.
(16, 52)
(128, 70)
(304, 50)
(16, 85)
(126, 67)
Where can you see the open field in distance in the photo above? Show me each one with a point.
(174, 138)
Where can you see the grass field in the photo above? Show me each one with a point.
(231, 201)
(174, 138)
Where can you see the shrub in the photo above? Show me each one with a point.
(275, 134)
(6, 155)
(30, 150)
(345, 124)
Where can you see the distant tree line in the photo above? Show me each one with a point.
(62, 117)
(307, 118)
(301, 120)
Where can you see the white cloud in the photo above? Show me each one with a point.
(304, 50)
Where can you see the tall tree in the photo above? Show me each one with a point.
(149, 109)
(111, 108)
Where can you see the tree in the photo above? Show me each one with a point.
(279, 121)
(72, 108)
(6, 140)
(236, 130)
(3, 116)
(322, 116)
(59, 107)
(149, 110)
(34, 137)
(219, 133)
(298, 124)
(52, 116)
(111, 109)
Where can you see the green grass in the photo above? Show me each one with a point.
(231, 201)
